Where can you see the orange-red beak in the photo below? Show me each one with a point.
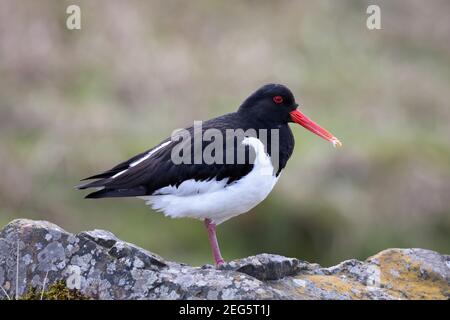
(307, 123)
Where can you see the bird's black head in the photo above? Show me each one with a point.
(274, 105)
(270, 103)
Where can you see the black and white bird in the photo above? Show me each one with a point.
(214, 191)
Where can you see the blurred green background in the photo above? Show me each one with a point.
(73, 103)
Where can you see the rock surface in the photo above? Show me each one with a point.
(102, 266)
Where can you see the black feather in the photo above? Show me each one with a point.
(158, 170)
(111, 193)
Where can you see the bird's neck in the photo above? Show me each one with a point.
(277, 138)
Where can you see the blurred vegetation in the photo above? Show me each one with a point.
(73, 103)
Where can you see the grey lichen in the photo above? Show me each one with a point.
(98, 265)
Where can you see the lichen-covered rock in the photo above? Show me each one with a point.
(101, 266)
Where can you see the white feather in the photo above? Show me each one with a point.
(215, 199)
(119, 173)
(148, 155)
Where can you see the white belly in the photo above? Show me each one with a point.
(215, 199)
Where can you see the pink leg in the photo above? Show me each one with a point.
(211, 227)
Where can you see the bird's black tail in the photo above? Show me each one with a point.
(117, 193)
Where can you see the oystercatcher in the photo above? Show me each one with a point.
(234, 182)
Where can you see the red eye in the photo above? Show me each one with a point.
(278, 99)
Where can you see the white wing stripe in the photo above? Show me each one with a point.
(148, 155)
(119, 173)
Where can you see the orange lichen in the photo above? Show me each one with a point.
(332, 283)
(402, 276)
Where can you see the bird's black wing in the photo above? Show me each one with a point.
(143, 174)
(118, 168)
